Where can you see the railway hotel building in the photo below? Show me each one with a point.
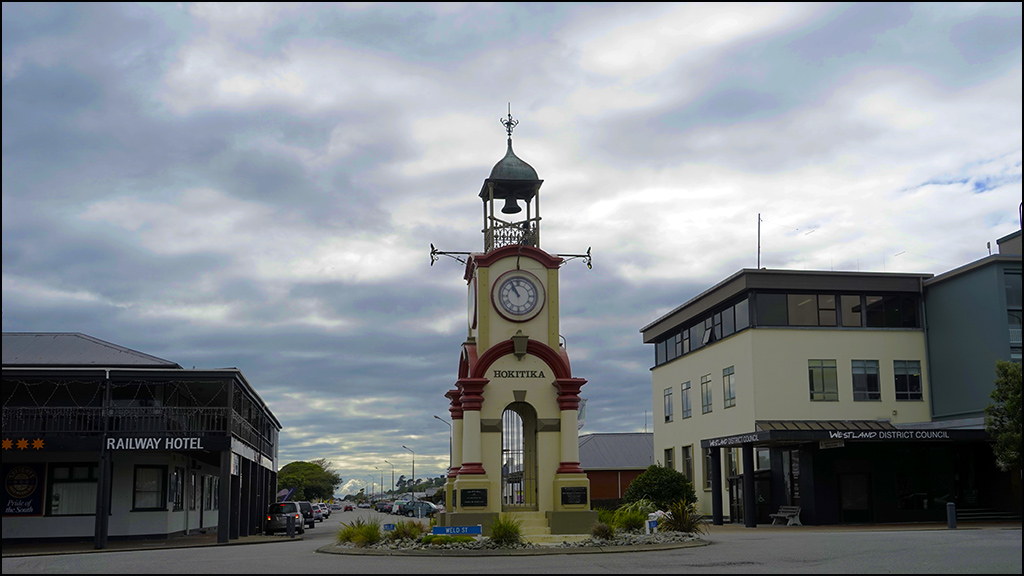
(92, 426)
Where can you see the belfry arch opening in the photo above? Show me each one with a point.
(519, 457)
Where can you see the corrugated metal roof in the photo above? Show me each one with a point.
(72, 349)
(627, 450)
(763, 425)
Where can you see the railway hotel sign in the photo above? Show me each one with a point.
(155, 444)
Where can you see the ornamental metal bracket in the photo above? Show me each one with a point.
(586, 258)
(434, 253)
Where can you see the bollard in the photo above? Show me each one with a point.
(290, 525)
(951, 515)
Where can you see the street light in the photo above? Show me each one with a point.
(370, 476)
(449, 440)
(381, 481)
(392, 478)
(413, 470)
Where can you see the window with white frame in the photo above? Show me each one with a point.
(824, 381)
(668, 404)
(705, 393)
(686, 460)
(729, 386)
(865, 380)
(908, 379)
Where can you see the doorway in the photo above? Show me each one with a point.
(519, 457)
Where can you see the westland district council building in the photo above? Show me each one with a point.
(92, 426)
(858, 397)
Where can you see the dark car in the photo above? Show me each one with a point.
(383, 506)
(308, 515)
(277, 518)
(417, 509)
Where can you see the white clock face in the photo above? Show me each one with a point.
(518, 295)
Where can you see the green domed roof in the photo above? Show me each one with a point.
(511, 167)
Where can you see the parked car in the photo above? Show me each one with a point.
(325, 509)
(318, 514)
(277, 518)
(383, 506)
(417, 509)
(308, 514)
(336, 506)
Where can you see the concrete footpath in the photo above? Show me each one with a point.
(14, 549)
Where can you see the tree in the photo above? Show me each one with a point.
(312, 480)
(660, 485)
(1003, 417)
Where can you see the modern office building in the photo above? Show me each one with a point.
(93, 426)
(821, 390)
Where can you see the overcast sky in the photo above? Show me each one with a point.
(258, 186)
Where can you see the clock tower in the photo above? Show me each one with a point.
(515, 447)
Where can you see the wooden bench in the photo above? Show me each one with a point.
(791, 514)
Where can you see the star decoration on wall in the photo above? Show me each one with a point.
(23, 444)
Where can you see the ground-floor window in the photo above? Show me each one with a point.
(149, 488)
(686, 459)
(707, 468)
(175, 493)
(72, 489)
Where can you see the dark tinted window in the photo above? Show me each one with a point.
(282, 508)
(771, 310)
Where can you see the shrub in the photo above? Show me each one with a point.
(406, 529)
(361, 532)
(631, 520)
(660, 485)
(683, 517)
(643, 505)
(606, 517)
(506, 530)
(603, 531)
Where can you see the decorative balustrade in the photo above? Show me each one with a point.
(67, 420)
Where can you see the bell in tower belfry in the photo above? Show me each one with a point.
(512, 180)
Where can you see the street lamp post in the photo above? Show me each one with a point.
(392, 478)
(413, 470)
(381, 482)
(449, 440)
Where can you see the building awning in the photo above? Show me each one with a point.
(798, 431)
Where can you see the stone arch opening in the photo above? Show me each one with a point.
(519, 457)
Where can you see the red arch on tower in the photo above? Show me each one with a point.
(558, 363)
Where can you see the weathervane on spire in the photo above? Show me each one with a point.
(509, 124)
